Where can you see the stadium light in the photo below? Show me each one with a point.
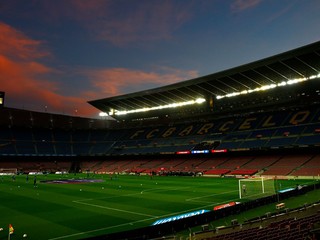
(200, 100)
(171, 105)
(271, 86)
(103, 114)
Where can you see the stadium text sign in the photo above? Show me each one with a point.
(286, 190)
(178, 217)
(230, 204)
(222, 126)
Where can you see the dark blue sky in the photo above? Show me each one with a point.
(63, 53)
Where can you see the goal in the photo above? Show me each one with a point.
(251, 188)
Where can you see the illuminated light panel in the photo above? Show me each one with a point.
(179, 217)
(183, 152)
(199, 151)
(103, 114)
(271, 86)
(230, 204)
(218, 150)
(286, 190)
(172, 105)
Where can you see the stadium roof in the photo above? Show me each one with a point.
(299, 63)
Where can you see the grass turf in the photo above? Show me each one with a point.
(75, 211)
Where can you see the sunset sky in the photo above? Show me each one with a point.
(55, 55)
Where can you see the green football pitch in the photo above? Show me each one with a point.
(75, 210)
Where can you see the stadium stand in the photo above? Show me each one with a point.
(286, 164)
(61, 141)
(264, 133)
(309, 168)
(296, 224)
(58, 141)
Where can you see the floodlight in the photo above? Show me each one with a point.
(282, 84)
(267, 87)
(171, 105)
(103, 114)
(200, 100)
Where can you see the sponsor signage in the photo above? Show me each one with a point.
(218, 150)
(183, 152)
(230, 204)
(178, 217)
(199, 151)
(286, 190)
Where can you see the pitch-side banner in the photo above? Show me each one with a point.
(178, 217)
(230, 204)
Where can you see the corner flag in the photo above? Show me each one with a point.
(11, 229)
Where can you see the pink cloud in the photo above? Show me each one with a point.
(241, 5)
(24, 78)
(116, 81)
(15, 44)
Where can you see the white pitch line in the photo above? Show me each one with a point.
(131, 223)
(160, 189)
(124, 224)
(115, 209)
(211, 195)
(101, 229)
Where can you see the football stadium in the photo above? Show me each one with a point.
(231, 155)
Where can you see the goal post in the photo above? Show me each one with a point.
(251, 188)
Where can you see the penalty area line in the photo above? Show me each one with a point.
(129, 223)
(100, 229)
(115, 209)
(124, 224)
(205, 196)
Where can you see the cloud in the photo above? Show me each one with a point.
(26, 81)
(281, 12)
(30, 84)
(15, 44)
(150, 21)
(241, 5)
(122, 22)
(26, 87)
(117, 81)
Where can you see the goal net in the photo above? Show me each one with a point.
(251, 188)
